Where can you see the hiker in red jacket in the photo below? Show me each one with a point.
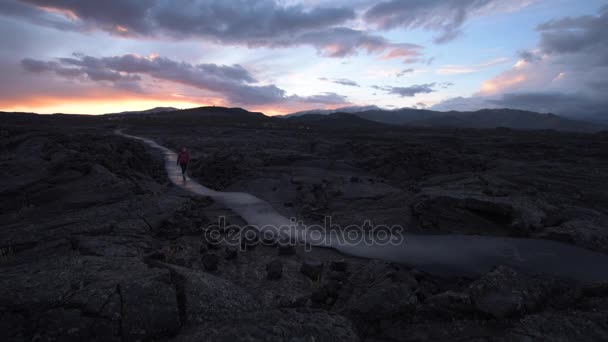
(182, 159)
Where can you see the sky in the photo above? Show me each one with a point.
(283, 56)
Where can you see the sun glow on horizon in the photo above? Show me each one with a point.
(51, 105)
(96, 107)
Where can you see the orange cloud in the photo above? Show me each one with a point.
(399, 53)
(502, 83)
(65, 12)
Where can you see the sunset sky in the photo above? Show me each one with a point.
(282, 56)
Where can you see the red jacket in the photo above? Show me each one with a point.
(183, 158)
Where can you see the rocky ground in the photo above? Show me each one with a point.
(492, 182)
(98, 245)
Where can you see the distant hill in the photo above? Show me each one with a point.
(148, 111)
(200, 115)
(335, 121)
(516, 119)
(486, 118)
(400, 116)
(213, 111)
(353, 109)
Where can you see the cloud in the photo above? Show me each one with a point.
(469, 69)
(236, 20)
(564, 74)
(233, 82)
(55, 19)
(341, 81)
(324, 98)
(529, 56)
(410, 91)
(443, 16)
(342, 41)
(569, 35)
(406, 71)
(95, 73)
(262, 23)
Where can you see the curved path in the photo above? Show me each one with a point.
(438, 254)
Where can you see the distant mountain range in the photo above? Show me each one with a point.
(353, 109)
(148, 111)
(369, 117)
(335, 120)
(486, 118)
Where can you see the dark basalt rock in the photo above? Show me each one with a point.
(312, 269)
(231, 253)
(210, 262)
(339, 265)
(287, 250)
(319, 296)
(274, 270)
(332, 287)
(505, 292)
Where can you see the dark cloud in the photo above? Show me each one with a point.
(346, 82)
(262, 23)
(342, 81)
(33, 65)
(235, 20)
(342, 41)
(325, 98)
(14, 8)
(529, 56)
(410, 91)
(233, 82)
(443, 16)
(598, 85)
(93, 72)
(403, 72)
(586, 34)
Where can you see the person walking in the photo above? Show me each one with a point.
(182, 160)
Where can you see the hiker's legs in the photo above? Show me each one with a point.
(184, 168)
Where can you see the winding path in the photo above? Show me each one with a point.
(438, 254)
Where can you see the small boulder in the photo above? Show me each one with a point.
(312, 269)
(319, 296)
(406, 277)
(338, 265)
(339, 276)
(382, 300)
(506, 293)
(449, 303)
(287, 250)
(158, 255)
(332, 287)
(230, 253)
(274, 270)
(210, 262)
